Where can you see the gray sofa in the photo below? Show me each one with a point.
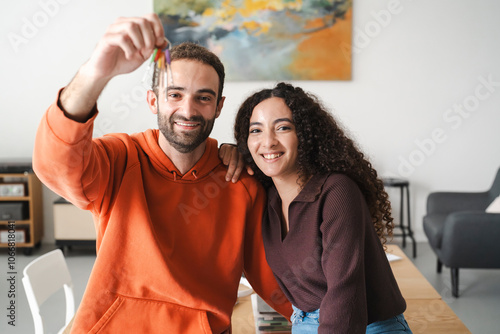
(461, 233)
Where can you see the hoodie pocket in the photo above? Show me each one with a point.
(135, 315)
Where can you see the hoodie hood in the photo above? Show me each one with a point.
(148, 140)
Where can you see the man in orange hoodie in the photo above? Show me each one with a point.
(173, 237)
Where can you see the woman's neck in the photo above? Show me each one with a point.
(287, 189)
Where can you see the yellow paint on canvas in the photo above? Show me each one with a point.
(251, 7)
(256, 28)
(227, 10)
(322, 55)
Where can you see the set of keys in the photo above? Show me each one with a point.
(161, 62)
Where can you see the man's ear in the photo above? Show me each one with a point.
(219, 106)
(152, 102)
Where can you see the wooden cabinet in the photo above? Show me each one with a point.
(21, 210)
(72, 226)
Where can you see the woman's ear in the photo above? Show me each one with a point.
(152, 101)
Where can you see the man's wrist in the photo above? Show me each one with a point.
(79, 98)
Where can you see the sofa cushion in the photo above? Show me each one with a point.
(494, 206)
(433, 228)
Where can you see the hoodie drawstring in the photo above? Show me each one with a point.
(192, 173)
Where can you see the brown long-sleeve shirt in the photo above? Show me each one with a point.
(331, 257)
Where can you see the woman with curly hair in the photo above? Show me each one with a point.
(327, 217)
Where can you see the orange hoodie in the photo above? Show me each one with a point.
(170, 248)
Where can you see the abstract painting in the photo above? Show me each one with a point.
(266, 40)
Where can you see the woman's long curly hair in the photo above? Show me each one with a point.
(323, 148)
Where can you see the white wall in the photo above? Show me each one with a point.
(417, 104)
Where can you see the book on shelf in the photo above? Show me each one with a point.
(267, 320)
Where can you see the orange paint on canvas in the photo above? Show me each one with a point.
(325, 54)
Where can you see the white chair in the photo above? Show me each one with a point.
(43, 277)
(247, 291)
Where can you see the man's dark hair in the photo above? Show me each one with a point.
(193, 51)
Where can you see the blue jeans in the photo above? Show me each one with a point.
(393, 325)
(308, 323)
(304, 322)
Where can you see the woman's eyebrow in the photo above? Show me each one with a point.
(282, 120)
(278, 120)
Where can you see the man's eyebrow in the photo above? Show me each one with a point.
(207, 90)
(202, 90)
(169, 87)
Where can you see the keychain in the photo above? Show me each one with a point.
(161, 61)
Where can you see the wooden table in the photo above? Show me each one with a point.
(426, 312)
(411, 282)
(433, 316)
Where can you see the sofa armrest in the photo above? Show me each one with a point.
(471, 239)
(447, 202)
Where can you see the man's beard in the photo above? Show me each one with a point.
(185, 142)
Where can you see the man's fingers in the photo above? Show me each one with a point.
(225, 153)
(144, 34)
(158, 32)
(239, 165)
(234, 160)
(121, 41)
(237, 172)
(231, 169)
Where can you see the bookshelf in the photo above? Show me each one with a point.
(21, 210)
